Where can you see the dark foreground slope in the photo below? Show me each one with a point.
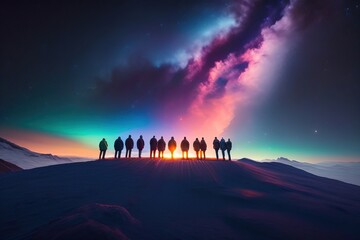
(6, 167)
(151, 199)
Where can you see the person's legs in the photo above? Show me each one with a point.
(103, 155)
(187, 154)
(100, 154)
(183, 152)
(130, 153)
(116, 151)
(223, 154)
(204, 155)
(228, 151)
(217, 154)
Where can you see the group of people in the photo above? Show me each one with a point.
(200, 147)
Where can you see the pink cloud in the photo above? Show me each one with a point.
(229, 89)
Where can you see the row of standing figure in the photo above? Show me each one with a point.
(200, 147)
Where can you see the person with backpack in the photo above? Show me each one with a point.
(161, 147)
(140, 145)
(196, 146)
(185, 145)
(153, 147)
(172, 146)
(228, 148)
(118, 146)
(129, 144)
(203, 148)
(216, 146)
(103, 147)
(223, 147)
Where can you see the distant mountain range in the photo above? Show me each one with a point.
(26, 159)
(344, 171)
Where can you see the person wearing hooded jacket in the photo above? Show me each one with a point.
(216, 146)
(172, 146)
(102, 147)
(118, 146)
(185, 145)
(161, 147)
(129, 144)
(140, 145)
(196, 146)
(228, 148)
(223, 147)
(203, 148)
(153, 146)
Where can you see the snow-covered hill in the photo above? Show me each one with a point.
(344, 171)
(27, 159)
(174, 199)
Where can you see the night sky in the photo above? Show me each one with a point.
(279, 78)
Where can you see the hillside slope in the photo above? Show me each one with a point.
(27, 159)
(344, 171)
(152, 199)
(8, 167)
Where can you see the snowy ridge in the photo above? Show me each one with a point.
(344, 171)
(27, 159)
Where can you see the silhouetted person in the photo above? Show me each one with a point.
(216, 146)
(129, 144)
(118, 146)
(140, 145)
(153, 146)
(103, 147)
(196, 146)
(161, 147)
(172, 146)
(203, 148)
(228, 148)
(223, 147)
(185, 145)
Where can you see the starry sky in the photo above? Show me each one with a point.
(279, 78)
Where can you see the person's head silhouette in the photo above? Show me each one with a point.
(129, 136)
(172, 138)
(184, 138)
(141, 136)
